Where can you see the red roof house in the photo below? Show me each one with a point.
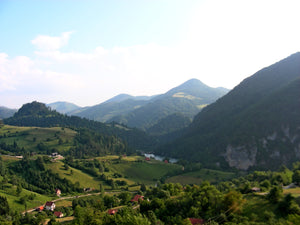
(50, 206)
(58, 214)
(112, 211)
(136, 198)
(147, 158)
(196, 221)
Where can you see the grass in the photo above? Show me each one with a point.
(9, 158)
(196, 177)
(144, 172)
(13, 200)
(257, 205)
(294, 191)
(65, 219)
(85, 180)
(29, 137)
(65, 203)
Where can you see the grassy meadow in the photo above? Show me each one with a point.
(197, 177)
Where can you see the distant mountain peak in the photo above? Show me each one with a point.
(63, 107)
(119, 98)
(34, 108)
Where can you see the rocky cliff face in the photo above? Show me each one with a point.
(241, 157)
(281, 147)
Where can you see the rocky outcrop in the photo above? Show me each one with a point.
(245, 156)
(240, 157)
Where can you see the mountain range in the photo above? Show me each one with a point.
(6, 112)
(144, 112)
(255, 125)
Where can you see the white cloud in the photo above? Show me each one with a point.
(44, 42)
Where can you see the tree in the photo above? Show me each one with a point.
(143, 188)
(288, 206)
(101, 190)
(275, 194)
(4, 207)
(19, 189)
(233, 201)
(125, 197)
(296, 177)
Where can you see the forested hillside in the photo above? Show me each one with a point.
(254, 125)
(187, 99)
(37, 114)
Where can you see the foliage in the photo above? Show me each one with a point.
(37, 114)
(275, 194)
(184, 99)
(245, 118)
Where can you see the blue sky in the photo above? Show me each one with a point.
(86, 52)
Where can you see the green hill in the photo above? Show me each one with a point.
(169, 124)
(187, 99)
(116, 106)
(6, 112)
(107, 110)
(254, 125)
(63, 107)
(37, 114)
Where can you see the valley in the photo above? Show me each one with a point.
(237, 156)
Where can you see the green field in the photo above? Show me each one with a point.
(294, 191)
(85, 180)
(196, 177)
(9, 192)
(144, 172)
(29, 137)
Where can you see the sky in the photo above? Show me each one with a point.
(85, 51)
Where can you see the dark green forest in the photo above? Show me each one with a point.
(262, 105)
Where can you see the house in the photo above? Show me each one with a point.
(147, 158)
(112, 211)
(88, 189)
(58, 214)
(166, 161)
(54, 154)
(136, 198)
(255, 189)
(39, 209)
(196, 221)
(50, 206)
(58, 192)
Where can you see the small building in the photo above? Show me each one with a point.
(255, 189)
(147, 158)
(58, 192)
(166, 161)
(196, 221)
(112, 211)
(54, 154)
(88, 189)
(50, 206)
(58, 214)
(136, 198)
(39, 209)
